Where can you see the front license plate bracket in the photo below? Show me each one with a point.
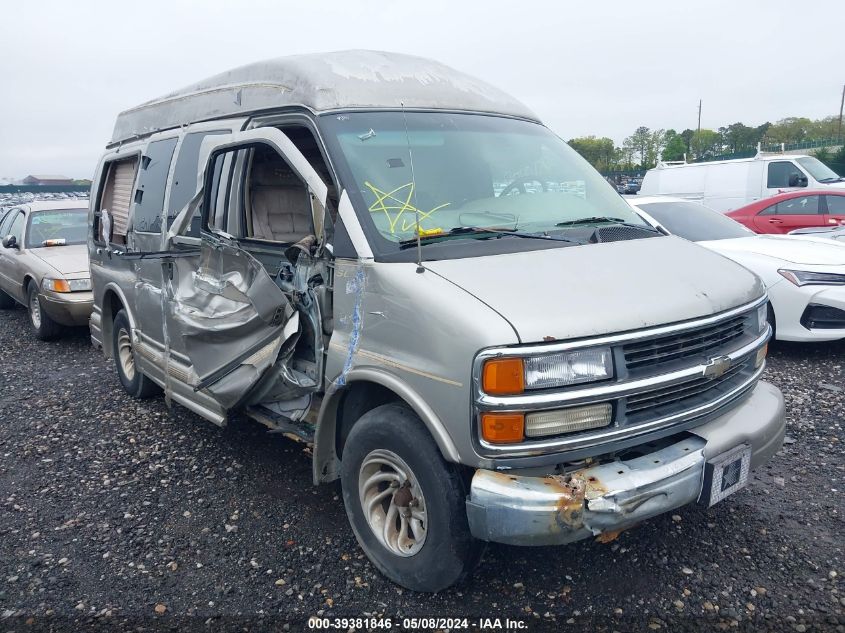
(725, 474)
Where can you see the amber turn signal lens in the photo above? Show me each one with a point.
(761, 355)
(502, 428)
(503, 376)
(60, 285)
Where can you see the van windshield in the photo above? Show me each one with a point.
(818, 170)
(454, 172)
(57, 227)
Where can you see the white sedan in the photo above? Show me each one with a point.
(804, 276)
(817, 232)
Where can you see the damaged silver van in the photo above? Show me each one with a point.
(400, 265)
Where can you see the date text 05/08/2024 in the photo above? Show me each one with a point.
(416, 624)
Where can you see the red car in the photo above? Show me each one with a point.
(786, 212)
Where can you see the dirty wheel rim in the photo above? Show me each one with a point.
(393, 502)
(124, 354)
(35, 310)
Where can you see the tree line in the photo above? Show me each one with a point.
(643, 148)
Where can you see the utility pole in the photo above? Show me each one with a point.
(698, 136)
(841, 104)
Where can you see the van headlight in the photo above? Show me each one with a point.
(513, 375)
(66, 285)
(807, 277)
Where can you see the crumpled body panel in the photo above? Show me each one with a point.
(233, 320)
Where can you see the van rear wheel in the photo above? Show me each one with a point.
(134, 382)
(405, 503)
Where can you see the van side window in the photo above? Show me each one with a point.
(781, 173)
(184, 184)
(149, 195)
(116, 196)
(225, 192)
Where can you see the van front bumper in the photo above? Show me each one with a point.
(607, 498)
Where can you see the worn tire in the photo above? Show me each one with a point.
(134, 382)
(448, 553)
(45, 328)
(6, 302)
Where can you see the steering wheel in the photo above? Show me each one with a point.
(519, 185)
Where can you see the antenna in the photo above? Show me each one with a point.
(420, 268)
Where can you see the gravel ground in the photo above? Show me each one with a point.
(116, 513)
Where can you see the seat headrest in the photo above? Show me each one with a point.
(274, 174)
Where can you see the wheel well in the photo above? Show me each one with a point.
(26, 280)
(770, 314)
(357, 399)
(111, 306)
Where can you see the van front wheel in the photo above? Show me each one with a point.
(405, 503)
(136, 384)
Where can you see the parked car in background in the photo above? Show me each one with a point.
(729, 184)
(786, 212)
(631, 187)
(828, 233)
(44, 264)
(805, 279)
(505, 362)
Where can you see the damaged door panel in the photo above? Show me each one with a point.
(247, 314)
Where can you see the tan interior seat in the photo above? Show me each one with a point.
(281, 211)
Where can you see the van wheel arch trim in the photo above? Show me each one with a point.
(107, 316)
(326, 461)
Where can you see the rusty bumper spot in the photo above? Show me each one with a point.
(598, 500)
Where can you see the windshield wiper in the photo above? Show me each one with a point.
(832, 179)
(487, 233)
(607, 219)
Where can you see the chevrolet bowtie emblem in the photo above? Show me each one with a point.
(717, 366)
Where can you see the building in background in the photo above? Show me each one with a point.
(40, 180)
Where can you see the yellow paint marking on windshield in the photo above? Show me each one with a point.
(387, 202)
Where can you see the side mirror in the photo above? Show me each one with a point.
(10, 241)
(797, 180)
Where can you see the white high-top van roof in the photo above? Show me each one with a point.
(323, 82)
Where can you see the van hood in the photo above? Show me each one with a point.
(596, 289)
(67, 260)
(789, 248)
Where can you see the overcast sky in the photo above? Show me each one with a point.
(598, 67)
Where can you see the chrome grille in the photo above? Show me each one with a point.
(702, 341)
(687, 394)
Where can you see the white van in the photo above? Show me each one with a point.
(729, 184)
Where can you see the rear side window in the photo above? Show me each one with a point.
(805, 205)
(185, 177)
(780, 173)
(116, 197)
(835, 205)
(149, 195)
